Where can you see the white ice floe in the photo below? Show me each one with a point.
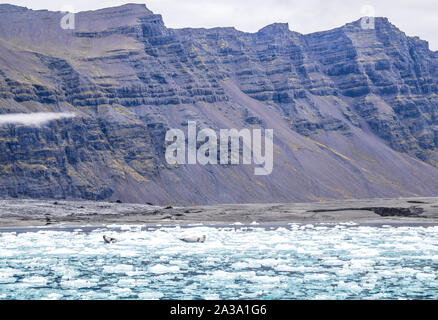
(121, 268)
(161, 269)
(316, 277)
(425, 276)
(285, 268)
(67, 283)
(150, 295)
(35, 281)
(53, 296)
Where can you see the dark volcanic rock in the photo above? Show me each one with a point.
(354, 111)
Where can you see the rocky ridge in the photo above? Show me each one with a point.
(353, 111)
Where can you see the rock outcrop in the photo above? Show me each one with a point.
(354, 111)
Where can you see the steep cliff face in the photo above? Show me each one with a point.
(353, 110)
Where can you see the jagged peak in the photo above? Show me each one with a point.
(139, 8)
(275, 28)
(214, 30)
(379, 22)
(384, 24)
(12, 8)
(113, 17)
(85, 21)
(132, 7)
(356, 26)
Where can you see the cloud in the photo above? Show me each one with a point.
(33, 119)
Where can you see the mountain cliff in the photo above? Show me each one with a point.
(354, 111)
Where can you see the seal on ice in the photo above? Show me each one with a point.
(194, 239)
(109, 239)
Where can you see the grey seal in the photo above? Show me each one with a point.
(194, 239)
(109, 239)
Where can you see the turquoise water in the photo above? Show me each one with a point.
(343, 261)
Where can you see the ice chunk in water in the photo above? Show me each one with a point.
(160, 269)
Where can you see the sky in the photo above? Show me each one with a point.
(414, 17)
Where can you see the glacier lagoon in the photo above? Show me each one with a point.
(294, 261)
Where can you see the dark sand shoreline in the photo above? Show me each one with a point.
(51, 213)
